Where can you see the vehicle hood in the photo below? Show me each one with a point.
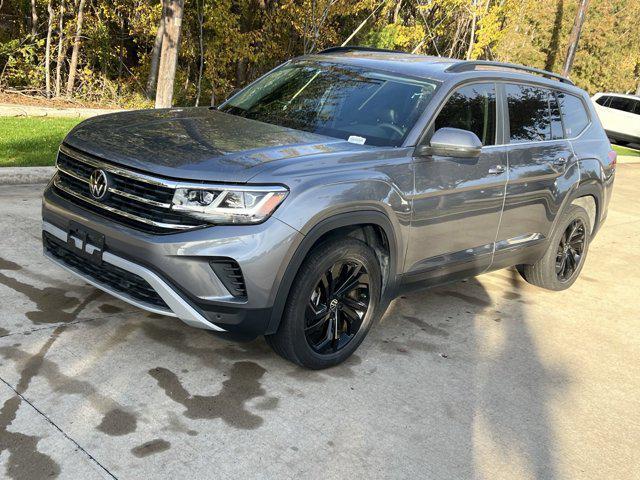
(196, 143)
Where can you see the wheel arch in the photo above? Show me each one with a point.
(361, 224)
(587, 192)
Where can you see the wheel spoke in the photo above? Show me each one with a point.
(317, 323)
(357, 305)
(563, 261)
(353, 319)
(350, 282)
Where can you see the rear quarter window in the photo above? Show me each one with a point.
(574, 114)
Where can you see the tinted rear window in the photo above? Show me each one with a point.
(529, 114)
(603, 100)
(574, 115)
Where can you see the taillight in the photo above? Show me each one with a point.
(613, 158)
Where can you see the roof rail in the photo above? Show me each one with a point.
(356, 49)
(468, 65)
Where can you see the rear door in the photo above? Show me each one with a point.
(457, 202)
(539, 158)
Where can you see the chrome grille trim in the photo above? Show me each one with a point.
(115, 190)
(139, 199)
(130, 216)
(76, 155)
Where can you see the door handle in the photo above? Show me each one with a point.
(560, 162)
(497, 170)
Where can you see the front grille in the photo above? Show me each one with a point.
(133, 199)
(106, 274)
(144, 190)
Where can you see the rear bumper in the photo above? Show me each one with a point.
(177, 268)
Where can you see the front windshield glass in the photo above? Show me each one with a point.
(361, 106)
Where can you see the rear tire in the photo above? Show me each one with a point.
(325, 319)
(561, 264)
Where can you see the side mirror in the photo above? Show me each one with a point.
(454, 142)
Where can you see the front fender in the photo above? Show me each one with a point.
(354, 217)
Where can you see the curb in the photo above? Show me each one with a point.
(13, 110)
(25, 175)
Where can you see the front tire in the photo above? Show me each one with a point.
(332, 304)
(561, 264)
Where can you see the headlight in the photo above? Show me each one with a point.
(228, 204)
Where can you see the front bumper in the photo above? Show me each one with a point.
(177, 265)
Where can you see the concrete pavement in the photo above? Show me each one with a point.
(485, 379)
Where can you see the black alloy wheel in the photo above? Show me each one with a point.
(570, 250)
(337, 307)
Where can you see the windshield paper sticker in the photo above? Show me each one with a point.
(356, 139)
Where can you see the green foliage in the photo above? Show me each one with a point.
(395, 36)
(29, 142)
(241, 39)
(19, 58)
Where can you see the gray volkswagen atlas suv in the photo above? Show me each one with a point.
(300, 207)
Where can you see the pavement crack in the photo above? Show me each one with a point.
(64, 434)
(66, 324)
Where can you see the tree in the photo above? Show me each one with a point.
(60, 51)
(169, 58)
(200, 12)
(47, 53)
(34, 18)
(76, 47)
(575, 36)
(155, 55)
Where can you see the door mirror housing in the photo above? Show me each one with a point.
(452, 142)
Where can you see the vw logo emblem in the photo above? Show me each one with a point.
(98, 184)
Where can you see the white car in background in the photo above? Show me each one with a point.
(620, 116)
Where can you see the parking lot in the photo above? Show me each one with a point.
(487, 378)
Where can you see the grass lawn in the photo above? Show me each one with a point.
(626, 151)
(30, 142)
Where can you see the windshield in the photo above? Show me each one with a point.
(360, 106)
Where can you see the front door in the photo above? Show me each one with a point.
(457, 202)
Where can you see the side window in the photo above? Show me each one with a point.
(556, 120)
(621, 103)
(603, 100)
(529, 115)
(628, 105)
(574, 115)
(472, 108)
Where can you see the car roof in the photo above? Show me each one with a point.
(437, 68)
